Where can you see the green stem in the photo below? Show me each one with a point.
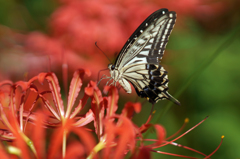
(96, 149)
(17, 151)
(29, 143)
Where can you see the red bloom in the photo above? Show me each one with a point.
(116, 134)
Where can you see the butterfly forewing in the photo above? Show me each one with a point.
(138, 61)
(148, 42)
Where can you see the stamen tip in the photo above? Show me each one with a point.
(186, 120)
(222, 136)
(154, 112)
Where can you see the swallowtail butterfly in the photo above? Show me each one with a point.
(138, 61)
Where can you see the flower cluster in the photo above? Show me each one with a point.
(76, 25)
(32, 111)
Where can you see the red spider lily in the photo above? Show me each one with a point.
(12, 113)
(39, 139)
(59, 116)
(117, 135)
(57, 110)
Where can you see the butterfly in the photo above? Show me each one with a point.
(139, 60)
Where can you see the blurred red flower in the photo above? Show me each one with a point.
(75, 26)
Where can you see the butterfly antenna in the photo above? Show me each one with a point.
(103, 52)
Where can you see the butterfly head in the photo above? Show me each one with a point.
(114, 72)
(111, 67)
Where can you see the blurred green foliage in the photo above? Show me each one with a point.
(209, 85)
(26, 15)
(204, 73)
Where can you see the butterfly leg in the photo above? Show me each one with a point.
(109, 81)
(152, 109)
(119, 87)
(136, 99)
(113, 83)
(99, 74)
(103, 77)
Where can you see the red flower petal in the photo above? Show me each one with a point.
(143, 153)
(55, 89)
(21, 144)
(112, 100)
(161, 134)
(75, 150)
(130, 108)
(42, 77)
(38, 135)
(89, 91)
(122, 133)
(57, 137)
(3, 154)
(86, 138)
(89, 117)
(75, 87)
(23, 85)
(6, 82)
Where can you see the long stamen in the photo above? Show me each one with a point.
(181, 135)
(172, 154)
(216, 148)
(184, 124)
(178, 145)
(188, 148)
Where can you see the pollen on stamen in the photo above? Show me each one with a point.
(216, 148)
(183, 126)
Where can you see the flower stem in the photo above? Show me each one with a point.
(29, 143)
(64, 144)
(96, 149)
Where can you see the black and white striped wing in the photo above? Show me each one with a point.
(138, 61)
(150, 81)
(147, 44)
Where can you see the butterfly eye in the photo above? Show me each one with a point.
(112, 67)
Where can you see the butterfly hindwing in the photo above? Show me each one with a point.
(150, 81)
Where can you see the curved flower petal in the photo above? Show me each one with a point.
(55, 88)
(130, 108)
(122, 134)
(75, 87)
(89, 117)
(112, 100)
